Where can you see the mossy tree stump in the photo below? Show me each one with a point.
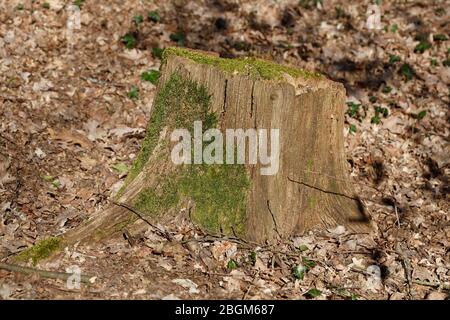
(310, 189)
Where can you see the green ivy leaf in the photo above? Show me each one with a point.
(133, 94)
(138, 19)
(387, 89)
(232, 264)
(393, 59)
(422, 46)
(353, 109)
(375, 120)
(129, 41)
(313, 293)
(440, 37)
(298, 272)
(154, 16)
(421, 114)
(252, 257)
(179, 37)
(79, 3)
(157, 52)
(406, 71)
(151, 76)
(309, 264)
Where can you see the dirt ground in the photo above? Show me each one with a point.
(74, 109)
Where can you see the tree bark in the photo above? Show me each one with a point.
(311, 188)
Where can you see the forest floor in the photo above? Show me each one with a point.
(74, 109)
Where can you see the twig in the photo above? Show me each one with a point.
(406, 265)
(430, 284)
(323, 190)
(42, 273)
(102, 82)
(273, 218)
(212, 238)
(251, 285)
(162, 233)
(444, 286)
(396, 215)
(208, 237)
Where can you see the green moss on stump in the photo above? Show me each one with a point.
(219, 191)
(256, 68)
(41, 250)
(170, 109)
(157, 202)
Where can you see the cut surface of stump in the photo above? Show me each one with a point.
(310, 189)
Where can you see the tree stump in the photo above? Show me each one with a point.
(310, 189)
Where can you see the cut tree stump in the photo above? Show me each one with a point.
(311, 188)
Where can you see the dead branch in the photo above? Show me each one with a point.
(42, 273)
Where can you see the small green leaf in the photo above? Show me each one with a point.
(406, 71)
(232, 264)
(151, 76)
(133, 93)
(394, 28)
(298, 272)
(157, 52)
(138, 19)
(129, 41)
(387, 89)
(379, 110)
(393, 59)
(421, 114)
(120, 167)
(440, 37)
(423, 45)
(303, 247)
(353, 109)
(154, 16)
(375, 120)
(313, 293)
(352, 128)
(46, 5)
(373, 99)
(309, 264)
(178, 37)
(78, 3)
(434, 63)
(252, 257)
(56, 183)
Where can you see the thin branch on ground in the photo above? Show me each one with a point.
(42, 273)
(141, 216)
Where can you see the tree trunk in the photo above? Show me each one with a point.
(311, 187)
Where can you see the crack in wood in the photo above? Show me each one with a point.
(224, 107)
